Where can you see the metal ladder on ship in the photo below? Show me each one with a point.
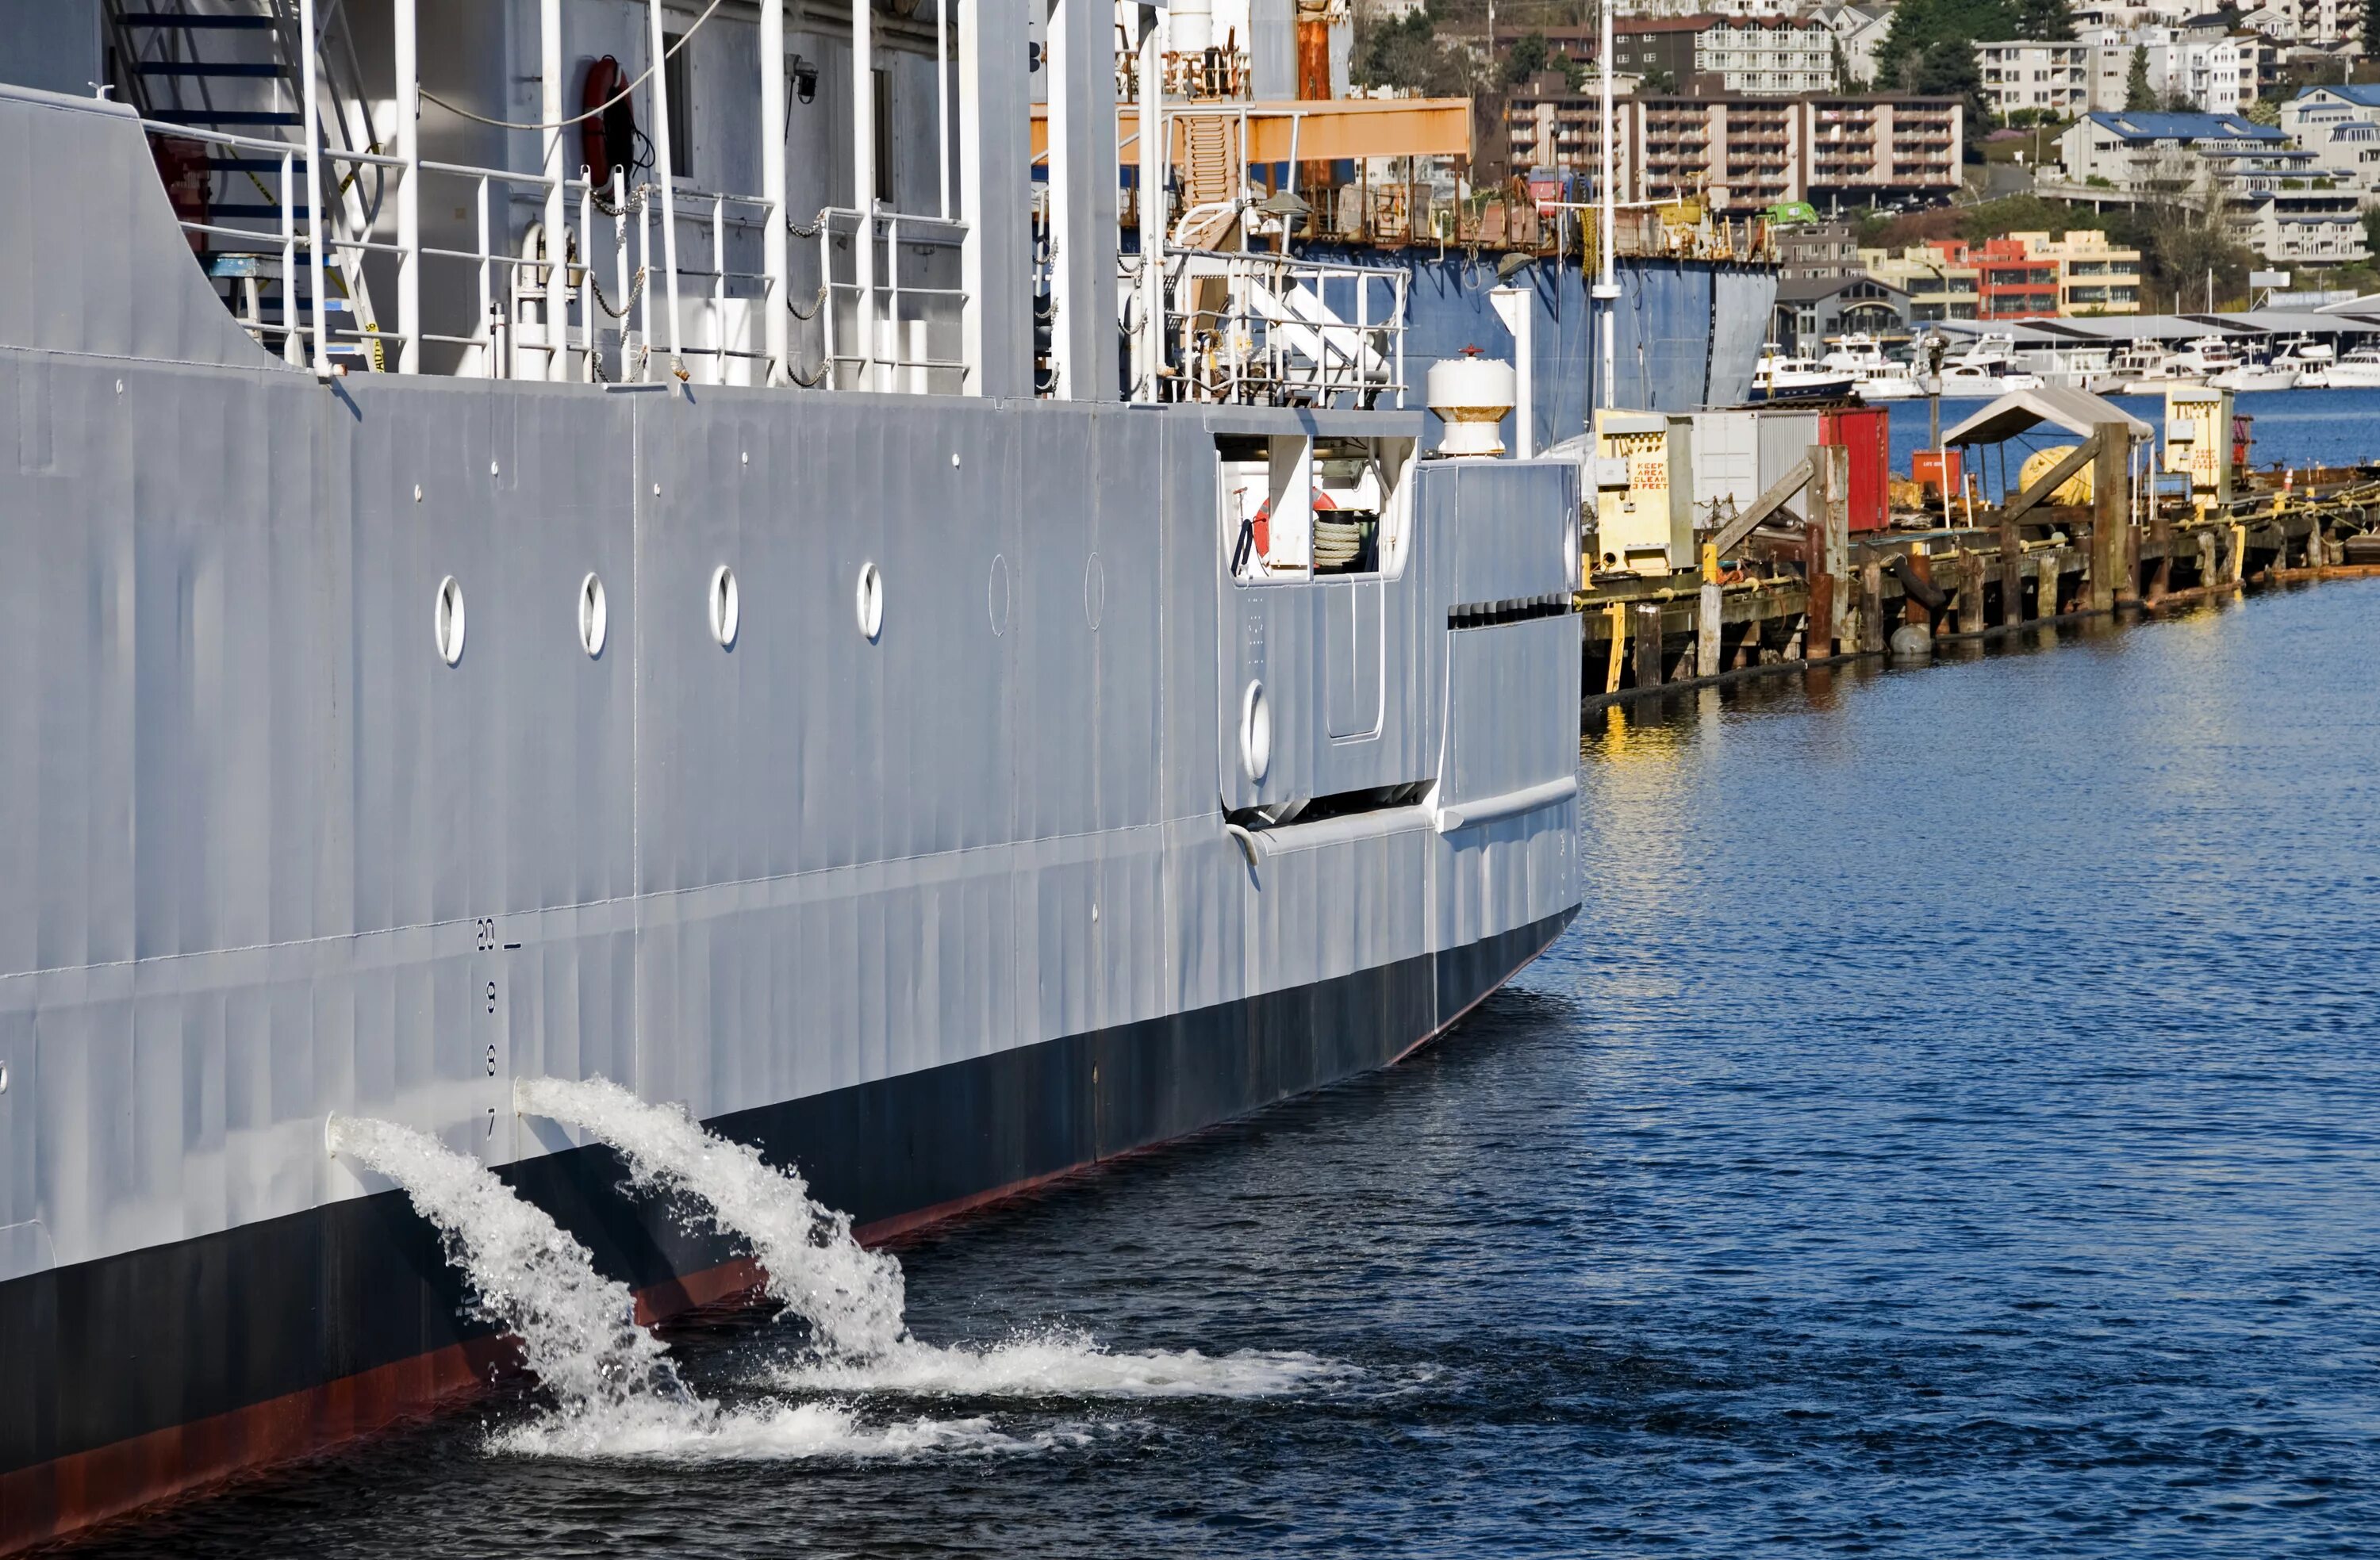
(160, 67)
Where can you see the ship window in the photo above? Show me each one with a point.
(447, 621)
(1295, 507)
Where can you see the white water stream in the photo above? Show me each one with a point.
(617, 1392)
(853, 1296)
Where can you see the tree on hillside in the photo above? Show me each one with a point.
(1846, 80)
(2138, 96)
(1529, 56)
(2048, 20)
(1405, 52)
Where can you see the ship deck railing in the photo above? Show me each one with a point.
(609, 331)
(1251, 327)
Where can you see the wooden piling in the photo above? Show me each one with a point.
(2110, 508)
(1648, 646)
(2011, 573)
(1871, 607)
(1829, 545)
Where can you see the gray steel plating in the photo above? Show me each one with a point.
(266, 855)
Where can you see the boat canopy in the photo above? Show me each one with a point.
(2077, 411)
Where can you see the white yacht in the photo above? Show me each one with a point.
(2205, 358)
(2250, 373)
(2360, 370)
(1875, 377)
(2145, 367)
(1779, 376)
(2312, 360)
(1987, 368)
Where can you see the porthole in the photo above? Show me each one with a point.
(594, 615)
(3, 1077)
(867, 600)
(1095, 591)
(726, 607)
(996, 594)
(1255, 732)
(447, 623)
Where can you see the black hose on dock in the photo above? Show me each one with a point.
(1922, 591)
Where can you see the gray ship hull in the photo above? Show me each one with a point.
(933, 912)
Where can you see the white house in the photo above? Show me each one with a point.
(2048, 77)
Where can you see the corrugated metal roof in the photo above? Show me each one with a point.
(2077, 411)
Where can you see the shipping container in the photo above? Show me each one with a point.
(1866, 432)
(1926, 465)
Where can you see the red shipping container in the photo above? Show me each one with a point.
(1927, 466)
(1866, 432)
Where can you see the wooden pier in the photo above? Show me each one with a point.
(1776, 597)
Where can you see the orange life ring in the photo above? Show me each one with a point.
(607, 139)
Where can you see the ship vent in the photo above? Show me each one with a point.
(1524, 609)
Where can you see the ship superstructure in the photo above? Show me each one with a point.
(724, 596)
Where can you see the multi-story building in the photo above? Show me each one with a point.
(2218, 70)
(2302, 227)
(2283, 203)
(2013, 281)
(2094, 276)
(1747, 153)
(1859, 31)
(2128, 151)
(2340, 125)
(1935, 286)
(1818, 254)
(1768, 55)
(1753, 55)
(1547, 126)
(2045, 78)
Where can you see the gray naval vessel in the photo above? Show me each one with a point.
(511, 568)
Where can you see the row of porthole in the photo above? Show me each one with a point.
(725, 603)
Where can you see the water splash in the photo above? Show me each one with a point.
(577, 1329)
(854, 1299)
(617, 1394)
(851, 1297)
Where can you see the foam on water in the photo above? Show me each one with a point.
(767, 1433)
(1065, 1364)
(852, 1296)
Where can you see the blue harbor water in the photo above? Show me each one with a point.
(2295, 427)
(1952, 1126)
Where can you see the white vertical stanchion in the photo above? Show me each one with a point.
(1154, 163)
(664, 170)
(863, 182)
(409, 191)
(557, 219)
(777, 333)
(313, 118)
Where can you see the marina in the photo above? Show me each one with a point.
(1775, 594)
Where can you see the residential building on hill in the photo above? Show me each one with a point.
(1745, 155)
(2126, 151)
(2041, 77)
(1935, 286)
(1859, 31)
(1815, 254)
(1753, 55)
